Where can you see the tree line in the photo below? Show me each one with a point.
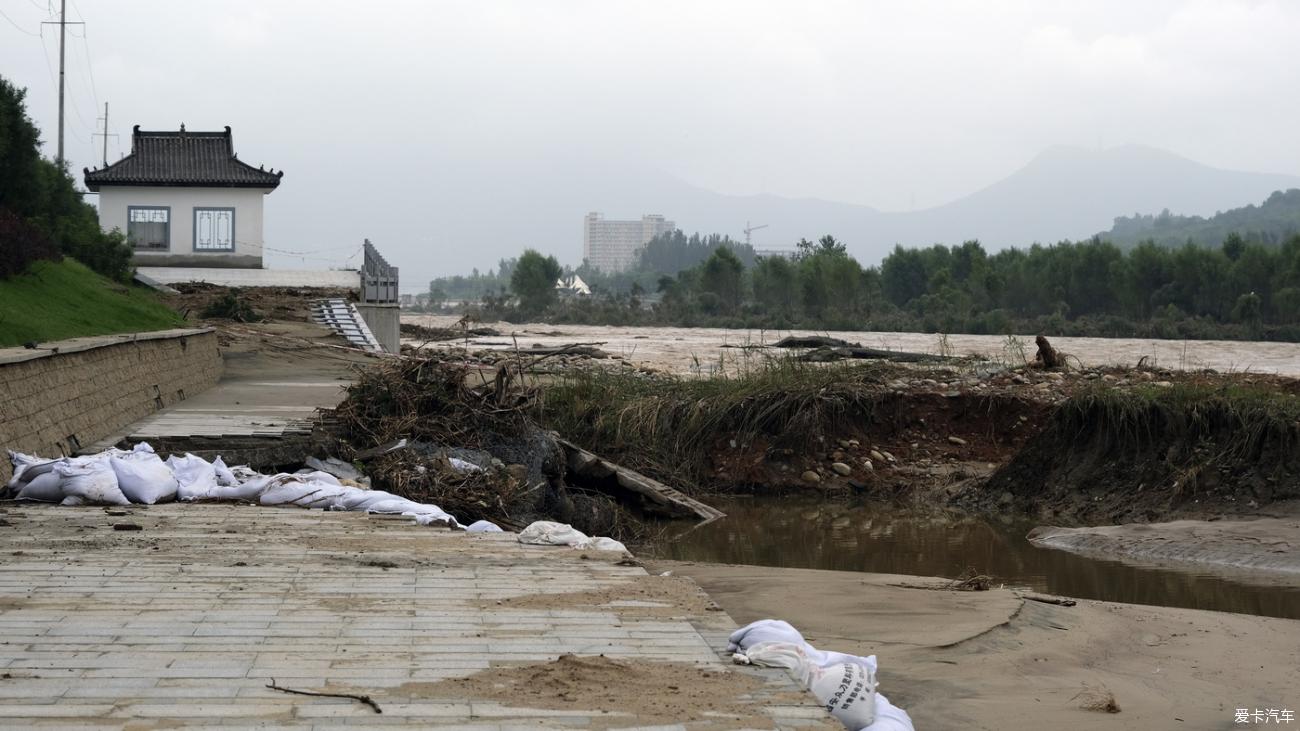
(42, 215)
(1241, 289)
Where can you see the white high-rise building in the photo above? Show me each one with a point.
(613, 246)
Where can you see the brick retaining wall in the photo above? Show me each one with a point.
(66, 395)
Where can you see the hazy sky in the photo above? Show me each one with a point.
(890, 104)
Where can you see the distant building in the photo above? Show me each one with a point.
(572, 286)
(613, 246)
(776, 251)
(184, 200)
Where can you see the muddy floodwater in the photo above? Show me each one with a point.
(800, 533)
(702, 350)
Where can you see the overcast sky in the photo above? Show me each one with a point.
(890, 104)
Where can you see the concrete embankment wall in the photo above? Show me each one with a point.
(385, 322)
(65, 395)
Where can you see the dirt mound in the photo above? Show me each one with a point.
(273, 303)
(643, 691)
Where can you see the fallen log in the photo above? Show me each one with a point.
(810, 341)
(588, 470)
(584, 349)
(826, 355)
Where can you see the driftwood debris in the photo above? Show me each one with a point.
(827, 354)
(811, 341)
(583, 349)
(358, 698)
(652, 496)
(1048, 357)
(435, 334)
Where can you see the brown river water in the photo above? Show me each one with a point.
(686, 350)
(799, 533)
(859, 536)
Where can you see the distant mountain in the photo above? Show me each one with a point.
(474, 212)
(1064, 193)
(1272, 222)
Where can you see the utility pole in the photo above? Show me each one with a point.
(63, 32)
(105, 134)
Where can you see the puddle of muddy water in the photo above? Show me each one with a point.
(797, 533)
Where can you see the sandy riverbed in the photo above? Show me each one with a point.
(685, 350)
(992, 660)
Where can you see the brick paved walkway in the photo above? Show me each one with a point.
(183, 623)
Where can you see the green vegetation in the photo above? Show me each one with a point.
(667, 425)
(231, 306)
(533, 280)
(1272, 222)
(45, 200)
(1240, 422)
(1242, 290)
(57, 300)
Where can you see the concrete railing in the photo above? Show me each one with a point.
(378, 279)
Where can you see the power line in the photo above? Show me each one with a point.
(15, 25)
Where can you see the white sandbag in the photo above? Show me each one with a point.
(432, 515)
(225, 478)
(774, 643)
(601, 543)
(483, 526)
(889, 717)
(143, 477)
(195, 477)
(90, 480)
(28, 467)
(788, 655)
(296, 490)
(776, 630)
(763, 631)
(548, 533)
(317, 476)
(46, 488)
(848, 691)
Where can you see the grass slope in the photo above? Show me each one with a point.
(58, 300)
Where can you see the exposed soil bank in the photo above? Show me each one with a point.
(991, 660)
(1191, 449)
(1269, 545)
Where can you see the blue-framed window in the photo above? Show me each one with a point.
(214, 229)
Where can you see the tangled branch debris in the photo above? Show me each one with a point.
(441, 431)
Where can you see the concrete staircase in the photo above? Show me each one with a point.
(342, 317)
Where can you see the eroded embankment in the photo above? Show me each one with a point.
(1085, 447)
(1192, 450)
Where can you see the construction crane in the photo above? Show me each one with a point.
(751, 229)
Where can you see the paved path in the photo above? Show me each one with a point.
(270, 389)
(183, 622)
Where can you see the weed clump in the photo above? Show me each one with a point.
(231, 306)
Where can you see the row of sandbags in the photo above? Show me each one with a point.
(844, 684)
(120, 477)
